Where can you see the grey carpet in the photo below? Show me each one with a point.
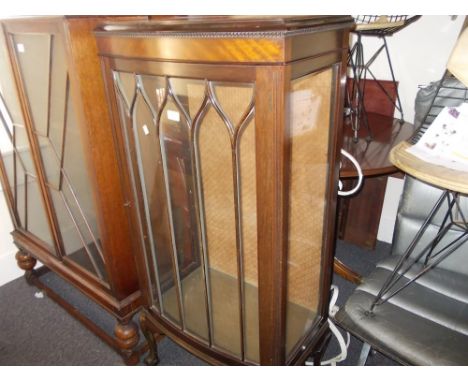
(36, 331)
(363, 261)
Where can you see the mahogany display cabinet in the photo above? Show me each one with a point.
(229, 136)
(59, 170)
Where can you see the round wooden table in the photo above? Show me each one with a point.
(373, 156)
(359, 215)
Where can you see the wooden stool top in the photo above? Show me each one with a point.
(439, 176)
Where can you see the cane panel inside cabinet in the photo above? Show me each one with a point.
(228, 132)
(59, 167)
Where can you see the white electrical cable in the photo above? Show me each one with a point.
(360, 176)
(333, 309)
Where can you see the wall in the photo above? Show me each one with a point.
(8, 268)
(419, 54)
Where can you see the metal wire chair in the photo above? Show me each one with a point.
(377, 26)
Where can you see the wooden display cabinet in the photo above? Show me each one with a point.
(59, 170)
(229, 136)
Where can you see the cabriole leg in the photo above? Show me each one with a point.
(152, 358)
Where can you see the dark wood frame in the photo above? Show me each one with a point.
(121, 296)
(277, 61)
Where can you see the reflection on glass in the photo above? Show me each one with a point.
(42, 63)
(309, 101)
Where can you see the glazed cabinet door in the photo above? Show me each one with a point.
(38, 51)
(311, 197)
(20, 181)
(192, 145)
(191, 148)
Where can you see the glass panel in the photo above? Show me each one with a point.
(309, 100)
(190, 94)
(6, 150)
(50, 161)
(158, 241)
(155, 90)
(36, 222)
(77, 245)
(17, 157)
(228, 95)
(43, 66)
(87, 228)
(127, 87)
(21, 203)
(157, 218)
(178, 166)
(220, 221)
(187, 180)
(7, 86)
(60, 101)
(23, 150)
(9, 113)
(33, 52)
(76, 178)
(127, 124)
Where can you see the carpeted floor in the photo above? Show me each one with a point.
(363, 261)
(36, 331)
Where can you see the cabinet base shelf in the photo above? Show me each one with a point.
(225, 306)
(130, 357)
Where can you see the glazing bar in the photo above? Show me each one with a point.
(200, 211)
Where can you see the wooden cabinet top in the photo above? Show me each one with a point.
(258, 26)
(234, 39)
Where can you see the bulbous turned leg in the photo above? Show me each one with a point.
(152, 358)
(25, 262)
(126, 334)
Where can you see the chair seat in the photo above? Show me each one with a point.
(424, 324)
